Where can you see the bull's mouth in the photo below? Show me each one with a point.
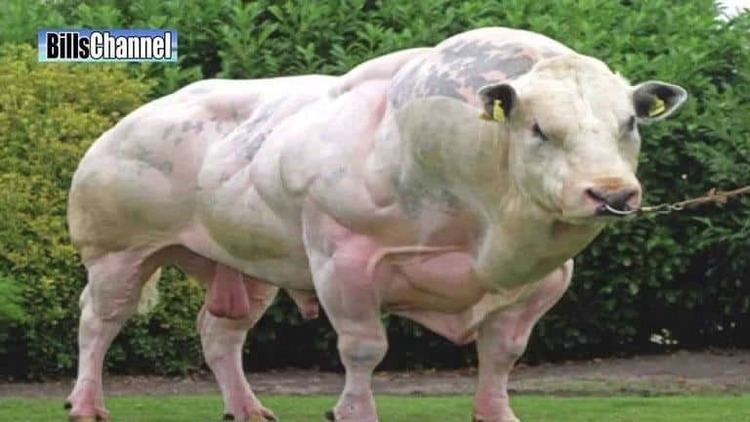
(606, 210)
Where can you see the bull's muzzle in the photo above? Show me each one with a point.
(609, 202)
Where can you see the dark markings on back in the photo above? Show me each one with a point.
(168, 131)
(460, 69)
(195, 126)
(333, 176)
(165, 167)
(254, 143)
(146, 159)
(218, 125)
(250, 135)
(171, 132)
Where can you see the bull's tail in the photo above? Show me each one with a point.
(149, 293)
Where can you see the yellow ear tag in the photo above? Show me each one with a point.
(497, 111)
(657, 107)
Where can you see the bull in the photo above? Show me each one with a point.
(451, 185)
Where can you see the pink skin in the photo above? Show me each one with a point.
(307, 303)
(354, 278)
(502, 339)
(353, 288)
(350, 295)
(108, 300)
(222, 341)
(355, 192)
(104, 311)
(222, 338)
(226, 296)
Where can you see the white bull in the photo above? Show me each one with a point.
(450, 185)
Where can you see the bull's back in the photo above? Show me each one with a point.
(137, 183)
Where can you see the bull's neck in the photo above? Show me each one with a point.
(520, 246)
(470, 162)
(453, 150)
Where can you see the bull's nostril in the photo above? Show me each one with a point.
(630, 194)
(620, 199)
(595, 195)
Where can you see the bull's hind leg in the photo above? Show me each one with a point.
(222, 341)
(502, 339)
(222, 338)
(109, 299)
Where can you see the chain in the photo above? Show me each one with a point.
(712, 196)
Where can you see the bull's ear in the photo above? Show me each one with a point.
(498, 101)
(655, 100)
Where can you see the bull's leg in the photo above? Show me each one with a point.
(222, 340)
(348, 294)
(502, 339)
(109, 299)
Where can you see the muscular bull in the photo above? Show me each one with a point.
(450, 185)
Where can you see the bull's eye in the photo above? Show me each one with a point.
(538, 132)
(630, 125)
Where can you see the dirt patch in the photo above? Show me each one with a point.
(678, 373)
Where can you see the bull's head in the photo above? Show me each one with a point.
(573, 134)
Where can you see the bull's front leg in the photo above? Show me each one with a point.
(348, 293)
(502, 339)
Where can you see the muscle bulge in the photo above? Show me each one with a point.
(137, 182)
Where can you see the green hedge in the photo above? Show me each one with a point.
(647, 285)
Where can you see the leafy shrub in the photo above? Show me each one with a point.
(680, 278)
(11, 310)
(12, 315)
(49, 115)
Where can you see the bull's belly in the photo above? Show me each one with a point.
(241, 250)
(236, 227)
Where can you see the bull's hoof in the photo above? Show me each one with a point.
(67, 405)
(96, 418)
(263, 418)
(330, 416)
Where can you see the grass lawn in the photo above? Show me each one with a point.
(405, 409)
